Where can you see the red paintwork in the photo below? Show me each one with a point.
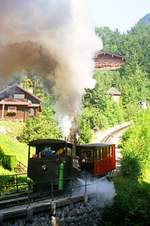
(105, 165)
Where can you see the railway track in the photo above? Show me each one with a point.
(30, 197)
(20, 198)
(111, 133)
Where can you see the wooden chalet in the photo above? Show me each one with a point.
(18, 104)
(108, 61)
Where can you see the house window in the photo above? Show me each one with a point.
(31, 112)
(12, 109)
(19, 96)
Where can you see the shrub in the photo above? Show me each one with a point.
(9, 162)
(41, 127)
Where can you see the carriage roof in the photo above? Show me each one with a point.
(51, 142)
(93, 146)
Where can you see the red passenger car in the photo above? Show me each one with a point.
(97, 159)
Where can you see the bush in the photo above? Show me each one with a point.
(136, 146)
(9, 162)
(131, 206)
(41, 127)
(10, 146)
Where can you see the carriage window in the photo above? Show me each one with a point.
(33, 152)
(68, 151)
(89, 156)
(110, 151)
(104, 152)
(95, 154)
(101, 151)
(98, 154)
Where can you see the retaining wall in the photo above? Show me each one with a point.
(75, 211)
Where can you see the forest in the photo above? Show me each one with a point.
(131, 204)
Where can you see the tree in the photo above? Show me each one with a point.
(41, 127)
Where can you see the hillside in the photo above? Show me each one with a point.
(10, 128)
(9, 145)
(145, 19)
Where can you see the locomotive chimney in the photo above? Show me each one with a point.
(74, 131)
(73, 136)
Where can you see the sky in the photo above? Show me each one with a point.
(120, 14)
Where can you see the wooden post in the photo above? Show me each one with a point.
(3, 110)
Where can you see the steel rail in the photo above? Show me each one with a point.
(111, 134)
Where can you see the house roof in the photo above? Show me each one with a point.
(107, 53)
(9, 101)
(22, 89)
(17, 102)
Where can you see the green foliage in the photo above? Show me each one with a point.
(131, 205)
(134, 46)
(26, 82)
(133, 78)
(136, 146)
(10, 146)
(135, 88)
(9, 162)
(111, 39)
(99, 110)
(94, 118)
(84, 126)
(9, 180)
(42, 126)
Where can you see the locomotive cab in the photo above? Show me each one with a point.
(49, 163)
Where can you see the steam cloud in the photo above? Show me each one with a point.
(103, 189)
(55, 40)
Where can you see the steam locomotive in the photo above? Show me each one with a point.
(52, 163)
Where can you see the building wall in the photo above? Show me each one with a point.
(108, 61)
(115, 98)
(22, 113)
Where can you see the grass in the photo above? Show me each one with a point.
(5, 171)
(10, 128)
(10, 146)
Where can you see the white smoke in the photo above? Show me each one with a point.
(101, 188)
(55, 40)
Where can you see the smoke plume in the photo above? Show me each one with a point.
(55, 40)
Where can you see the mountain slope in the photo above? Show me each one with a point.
(145, 19)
